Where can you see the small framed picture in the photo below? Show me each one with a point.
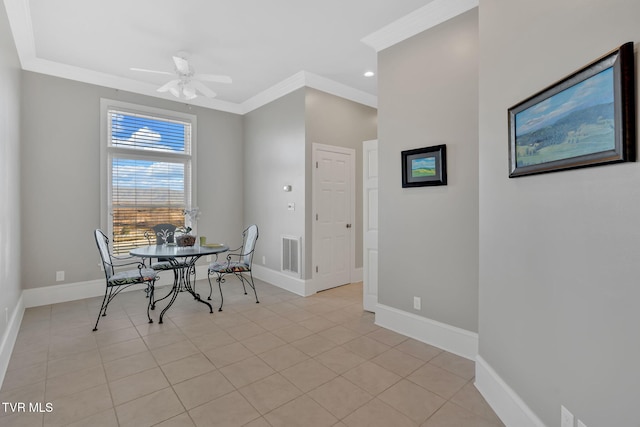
(424, 166)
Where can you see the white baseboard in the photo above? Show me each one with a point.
(9, 337)
(201, 271)
(55, 294)
(455, 340)
(370, 302)
(45, 295)
(357, 275)
(503, 400)
(298, 286)
(292, 284)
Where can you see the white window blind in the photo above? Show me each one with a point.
(149, 174)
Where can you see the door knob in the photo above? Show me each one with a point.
(348, 225)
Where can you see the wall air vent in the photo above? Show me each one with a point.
(291, 247)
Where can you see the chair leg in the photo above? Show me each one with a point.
(220, 280)
(151, 294)
(175, 278)
(151, 302)
(102, 308)
(242, 280)
(210, 287)
(253, 285)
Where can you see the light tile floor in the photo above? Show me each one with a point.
(288, 361)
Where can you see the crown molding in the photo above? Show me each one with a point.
(338, 89)
(21, 25)
(19, 15)
(307, 79)
(434, 13)
(84, 75)
(276, 91)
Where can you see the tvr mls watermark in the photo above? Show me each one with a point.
(11, 407)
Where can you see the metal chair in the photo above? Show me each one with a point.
(164, 233)
(239, 261)
(118, 281)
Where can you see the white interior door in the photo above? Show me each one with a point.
(333, 233)
(370, 225)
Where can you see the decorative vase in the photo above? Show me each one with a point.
(185, 240)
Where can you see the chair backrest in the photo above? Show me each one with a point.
(249, 237)
(164, 233)
(103, 247)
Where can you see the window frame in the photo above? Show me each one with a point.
(109, 152)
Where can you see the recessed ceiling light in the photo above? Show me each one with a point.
(369, 74)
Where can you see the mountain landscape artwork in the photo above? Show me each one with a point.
(425, 166)
(586, 119)
(577, 121)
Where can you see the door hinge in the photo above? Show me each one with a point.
(316, 217)
(316, 268)
(316, 165)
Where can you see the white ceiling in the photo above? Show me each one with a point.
(267, 47)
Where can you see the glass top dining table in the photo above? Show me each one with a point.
(174, 251)
(182, 261)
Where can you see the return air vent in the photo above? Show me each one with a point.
(291, 255)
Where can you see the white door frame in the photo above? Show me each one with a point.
(315, 147)
(369, 230)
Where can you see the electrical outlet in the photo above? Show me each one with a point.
(264, 260)
(208, 258)
(581, 424)
(59, 276)
(566, 417)
(417, 303)
(6, 315)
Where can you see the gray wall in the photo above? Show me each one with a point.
(278, 138)
(274, 157)
(242, 165)
(559, 286)
(10, 212)
(332, 120)
(428, 95)
(60, 180)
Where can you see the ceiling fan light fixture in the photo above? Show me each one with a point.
(188, 84)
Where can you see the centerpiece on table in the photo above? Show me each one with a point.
(185, 239)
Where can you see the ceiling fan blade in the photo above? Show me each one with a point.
(175, 91)
(203, 89)
(213, 78)
(189, 92)
(168, 86)
(144, 70)
(182, 65)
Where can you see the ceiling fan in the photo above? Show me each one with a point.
(188, 83)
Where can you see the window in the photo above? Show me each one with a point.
(148, 155)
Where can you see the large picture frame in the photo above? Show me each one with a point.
(424, 166)
(585, 119)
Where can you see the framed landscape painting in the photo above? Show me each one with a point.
(424, 166)
(586, 119)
